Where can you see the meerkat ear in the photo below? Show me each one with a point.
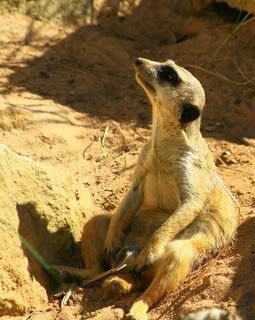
(189, 113)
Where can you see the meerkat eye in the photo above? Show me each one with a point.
(168, 74)
(189, 113)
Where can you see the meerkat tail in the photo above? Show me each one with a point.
(166, 281)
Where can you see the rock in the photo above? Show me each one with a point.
(48, 208)
(226, 157)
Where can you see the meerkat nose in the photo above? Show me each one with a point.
(138, 62)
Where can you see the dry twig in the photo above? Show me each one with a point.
(67, 296)
(220, 76)
(241, 24)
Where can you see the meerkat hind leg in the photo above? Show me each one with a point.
(175, 268)
(80, 273)
(92, 249)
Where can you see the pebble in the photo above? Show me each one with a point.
(227, 157)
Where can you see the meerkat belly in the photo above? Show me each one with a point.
(159, 193)
(144, 224)
(159, 202)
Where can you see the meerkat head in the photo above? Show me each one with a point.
(173, 91)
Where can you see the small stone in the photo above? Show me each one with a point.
(109, 205)
(98, 158)
(89, 156)
(227, 158)
(239, 192)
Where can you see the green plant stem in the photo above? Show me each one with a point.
(46, 266)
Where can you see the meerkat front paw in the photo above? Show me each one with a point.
(112, 246)
(147, 256)
(144, 260)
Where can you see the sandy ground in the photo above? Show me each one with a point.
(69, 99)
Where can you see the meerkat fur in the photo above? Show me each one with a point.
(177, 211)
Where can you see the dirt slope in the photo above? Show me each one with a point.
(47, 208)
(76, 84)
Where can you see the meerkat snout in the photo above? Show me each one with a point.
(138, 62)
(171, 89)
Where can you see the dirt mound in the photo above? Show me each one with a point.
(14, 118)
(47, 208)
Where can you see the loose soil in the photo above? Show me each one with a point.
(64, 88)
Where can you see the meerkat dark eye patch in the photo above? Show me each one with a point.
(189, 113)
(168, 74)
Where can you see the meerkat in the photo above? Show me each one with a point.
(177, 211)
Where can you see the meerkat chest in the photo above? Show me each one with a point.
(160, 192)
